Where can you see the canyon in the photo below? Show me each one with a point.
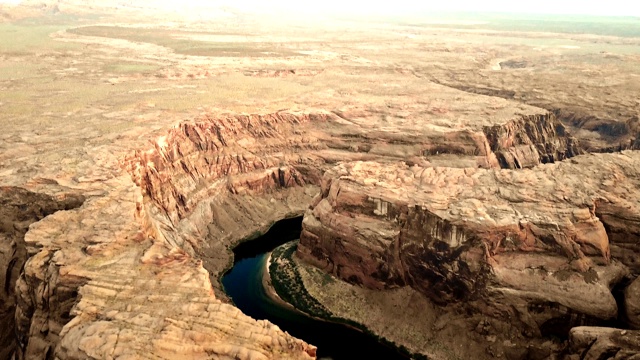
(452, 205)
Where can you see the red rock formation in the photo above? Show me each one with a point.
(200, 160)
(526, 245)
(510, 141)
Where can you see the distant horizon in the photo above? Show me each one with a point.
(613, 8)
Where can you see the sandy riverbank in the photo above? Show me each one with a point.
(270, 290)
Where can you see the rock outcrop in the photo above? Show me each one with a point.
(513, 137)
(119, 294)
(124, 274)
(212, 182)
(19, 208)
(530, 141)
(527, 245)
(632, 303)
(586, 342)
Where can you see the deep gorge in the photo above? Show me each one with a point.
(209, 183)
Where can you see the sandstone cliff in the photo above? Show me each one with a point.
(212, 182)
(528, 246)
(19, 208)
(117, 294)
(123, 275)
(529, 141)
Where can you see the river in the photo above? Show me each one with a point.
(243, 283)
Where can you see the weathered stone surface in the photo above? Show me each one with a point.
(632, 303)
(528, 142)
(528, 243)
(19, 208)
(514, 136)
(591, 343)
(119, 294)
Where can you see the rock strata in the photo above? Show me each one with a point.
(193, 192)
(529, 141)
(208, 183)
(525, 245)
(513, 137)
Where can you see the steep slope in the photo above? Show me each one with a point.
(527, 247)
(19, 208)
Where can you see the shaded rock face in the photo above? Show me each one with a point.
(632, 303)
(623, 230)
(203, 161)
(254, 154)
(618, 135)
(531, 140)
(513, 142)
(528, 245)
(210, 183)
(18, 209)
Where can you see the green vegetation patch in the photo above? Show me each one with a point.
(288, 283)
(178, 41)
(19, 40)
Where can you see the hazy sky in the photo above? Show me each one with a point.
(591, 7)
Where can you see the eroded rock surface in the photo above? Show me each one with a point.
(511, 136)
(19, 208)
(632, 303)
(529, 246)
(587, 343)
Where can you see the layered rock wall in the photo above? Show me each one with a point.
(526, 245)
(531, 140)
(199, 161)
(197, 190)
(510, 141)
